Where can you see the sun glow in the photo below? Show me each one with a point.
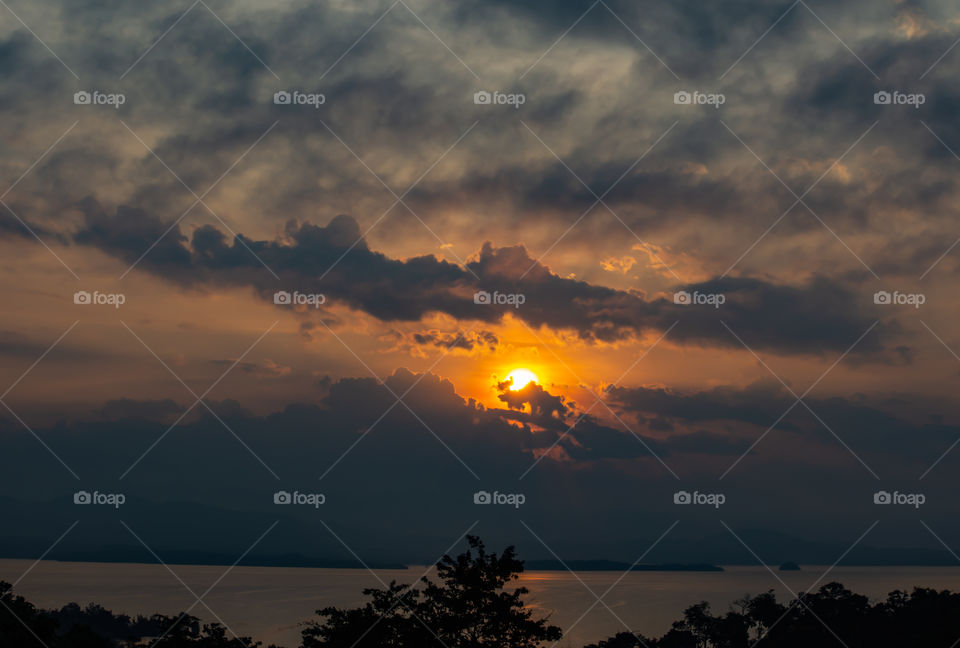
(521, 378)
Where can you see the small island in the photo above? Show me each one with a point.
(789, 566)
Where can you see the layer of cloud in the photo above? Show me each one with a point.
(335, 261)
(386, 460)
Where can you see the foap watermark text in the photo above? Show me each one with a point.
(296, 298)
(695, 98)
(897, 298)
(684, 298)
(897, 98)
(499, 298)
(297, 98)
(97, 298)
(97, 98)
(285, 498)
(684, 498)
(96, 498)
(484, 98)
(515, 500)
(883, 498)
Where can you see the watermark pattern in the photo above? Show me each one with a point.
(399, 104)
(885, 498)
(97, 98)
(497, 498)
(296, 498)
(499, 299)
(297, 98)
(685, 498)
(485, 98)
(296, 298)
(897, 98)
(97, 298)
(96, 498)
(897, 298)
(684, 298)
(697, 98)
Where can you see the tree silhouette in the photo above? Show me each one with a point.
(23, 625)
(832, 617)
(468, 608)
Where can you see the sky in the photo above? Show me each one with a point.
(300, 247)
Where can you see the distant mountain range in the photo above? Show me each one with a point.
(612, 565)
(191, 533)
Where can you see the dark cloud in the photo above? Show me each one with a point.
(874, 429)
(546, 408)
(17, 226)
(387, 462)
(760, 404)
(687, 34)
(799, 99)
(703, 442)
(335, 260)
(463, 340)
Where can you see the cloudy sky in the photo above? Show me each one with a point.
(722, 239)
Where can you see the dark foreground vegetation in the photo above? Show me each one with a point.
(473, 604)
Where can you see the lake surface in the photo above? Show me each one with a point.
(268, 603)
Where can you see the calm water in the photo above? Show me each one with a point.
(267, 603)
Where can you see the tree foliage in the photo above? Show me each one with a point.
(470, 607)
(832, 617)
(23, 625)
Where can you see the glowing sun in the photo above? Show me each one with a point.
(521, 378)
